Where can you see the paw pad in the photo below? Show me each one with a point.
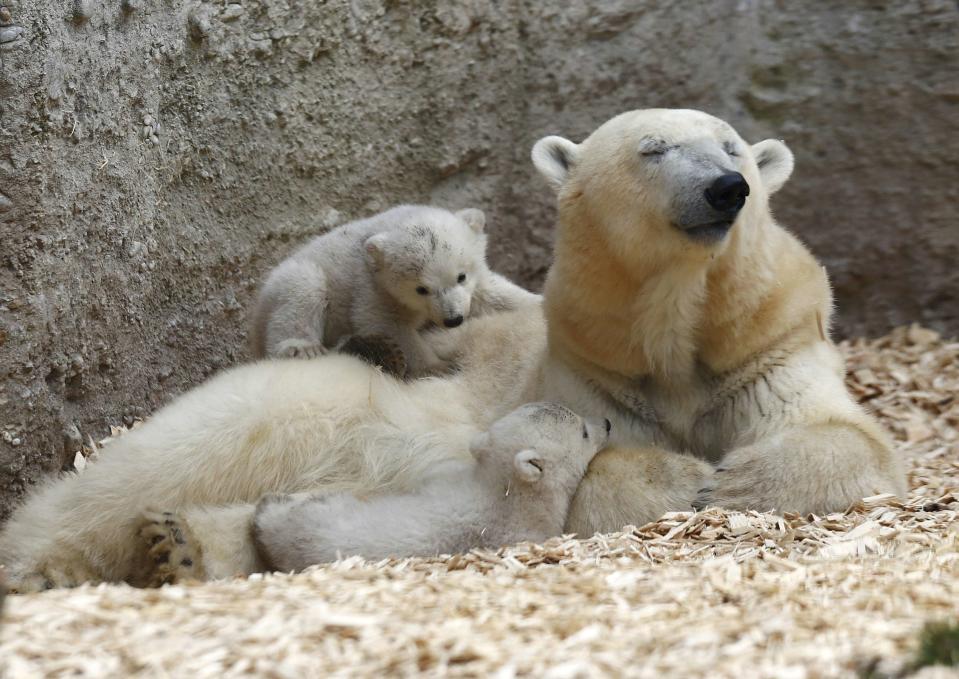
(171, 549)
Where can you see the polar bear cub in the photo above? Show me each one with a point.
(517, 487)
(386, 277)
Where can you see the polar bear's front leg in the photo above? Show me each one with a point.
(816, 469)
(625, 485)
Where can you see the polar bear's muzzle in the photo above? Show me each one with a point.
(712, 217)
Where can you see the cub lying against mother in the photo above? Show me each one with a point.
(675, 306)
(516, 489)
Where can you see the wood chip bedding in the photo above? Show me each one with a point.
(711, 594)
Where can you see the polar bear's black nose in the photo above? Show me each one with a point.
(728, 193)
(453, 322)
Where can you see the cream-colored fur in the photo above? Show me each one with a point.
(285, 426)
(713, 345)
(385, 276)
(716, 346)
(517, 488)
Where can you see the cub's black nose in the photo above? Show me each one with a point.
(453, 322)
(609, 425)
(728, 193)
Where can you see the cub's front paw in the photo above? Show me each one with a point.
(378, 350)
(432, 368)
(173, 551)
(297, 348)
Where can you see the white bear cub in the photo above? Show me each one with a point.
(384, 277)
(518, 487)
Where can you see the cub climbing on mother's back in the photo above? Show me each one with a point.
(386, 277)
(518, 487)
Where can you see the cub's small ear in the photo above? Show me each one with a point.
(528, 465)
(775, 162)
(554, 157)
(474, 217)
(375, 247)
(479, 446)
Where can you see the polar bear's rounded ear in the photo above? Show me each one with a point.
(775, 162)
(479, 446)
(375, 247)
(528, 465)
(474, 217)
(554, 157)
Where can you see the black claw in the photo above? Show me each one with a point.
(178, 536)
(167, 513)
(187, 562)
(163, 558)
(156, 539)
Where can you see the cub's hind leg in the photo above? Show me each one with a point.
(197, 543)
(290, 315)
(173, 552)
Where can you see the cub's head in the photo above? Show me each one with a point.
(431, 262)
(660, 182)
(540, 443)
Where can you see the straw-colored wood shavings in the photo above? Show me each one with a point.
(710, 594)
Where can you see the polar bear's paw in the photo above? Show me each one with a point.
(745, 479)
(297, 348)
(171, 548)
(378, 350)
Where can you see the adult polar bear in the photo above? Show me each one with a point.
(676, 307)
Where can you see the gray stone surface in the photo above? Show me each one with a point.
(157, 156)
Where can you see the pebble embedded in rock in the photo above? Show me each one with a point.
(10, 33)
(72, 440)
(81, 11)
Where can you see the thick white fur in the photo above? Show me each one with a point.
(283, 426)
(517, 488)
(363, 278)
(718, 349)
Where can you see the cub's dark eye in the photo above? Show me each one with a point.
(730, 150)
(461, 278)
(421, 290)
(585, 433)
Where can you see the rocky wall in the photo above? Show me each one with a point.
(158, 156)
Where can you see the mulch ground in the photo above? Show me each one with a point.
(711, 594)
